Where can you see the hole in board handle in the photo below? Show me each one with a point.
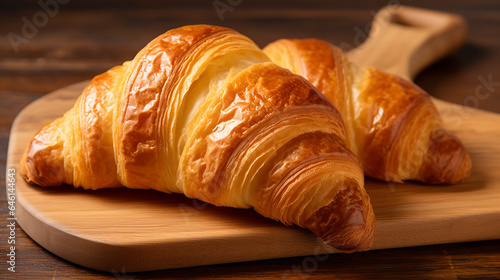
(419, 18)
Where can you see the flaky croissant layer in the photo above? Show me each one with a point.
(202, 111)
(393, 126)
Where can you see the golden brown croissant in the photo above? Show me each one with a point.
(202, 111)
(393, 126)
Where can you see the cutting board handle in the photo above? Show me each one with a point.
(404, 40)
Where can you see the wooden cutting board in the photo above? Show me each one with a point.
(139, 230)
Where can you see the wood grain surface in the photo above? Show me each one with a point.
(36, 69)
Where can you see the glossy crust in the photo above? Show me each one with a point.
(202, 111)
(392, 124)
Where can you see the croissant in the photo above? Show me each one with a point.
(392, 125)
(202, 111)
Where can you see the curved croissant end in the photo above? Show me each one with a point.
(392, 124)
(78, 148)
(42, 162)
(202, 111)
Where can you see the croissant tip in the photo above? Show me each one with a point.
(35, 173)
(350, 222)
(446, 160)
(350, 238)
(355, 236)
(42, 162)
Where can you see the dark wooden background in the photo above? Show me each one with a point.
(84, 38)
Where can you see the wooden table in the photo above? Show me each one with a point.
(74, 41)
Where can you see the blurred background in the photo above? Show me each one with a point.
(75, 40)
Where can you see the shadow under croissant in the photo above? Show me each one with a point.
(380, 193)
(394, 200)
(181, 213)
(124, 198)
